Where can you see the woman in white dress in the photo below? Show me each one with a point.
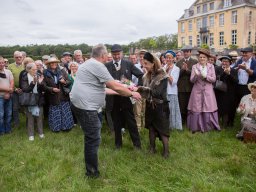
(172, 91)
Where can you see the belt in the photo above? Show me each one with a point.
(157, 101)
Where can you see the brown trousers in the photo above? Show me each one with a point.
(31, 122)
(139, 113)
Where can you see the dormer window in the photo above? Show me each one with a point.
(204, 8)
(212, 6)
(227, 3)
(198, 9)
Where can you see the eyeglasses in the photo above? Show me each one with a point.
(253, 87)
(18, 57)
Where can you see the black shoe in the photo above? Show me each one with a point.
(93, 175)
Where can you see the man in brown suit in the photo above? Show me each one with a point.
(184, 84)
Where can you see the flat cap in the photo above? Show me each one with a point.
(186, 48)
(247, 49)
(66, 53)
(116, 48)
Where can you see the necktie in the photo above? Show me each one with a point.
(116, 64)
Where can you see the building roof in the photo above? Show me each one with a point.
(190, 11)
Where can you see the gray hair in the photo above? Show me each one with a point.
(29, 66)
(99, 50)
(78, 52)
(72, 63)
(39, 62)
(16, 53)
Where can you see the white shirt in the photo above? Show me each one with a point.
(172, 88)
(243, 76)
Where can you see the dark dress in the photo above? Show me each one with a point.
(226, 100)
(60, 116)
(157, 108)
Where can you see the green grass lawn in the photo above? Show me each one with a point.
(214, 161)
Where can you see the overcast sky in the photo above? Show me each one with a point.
(26, 22)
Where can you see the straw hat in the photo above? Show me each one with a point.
(251, 84)
(52, 60)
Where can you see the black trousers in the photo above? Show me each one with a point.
(183, 103)
(241, 91)
(123, 110)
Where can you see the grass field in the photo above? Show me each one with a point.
(214, 161)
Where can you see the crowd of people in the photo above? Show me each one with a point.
(159, 92)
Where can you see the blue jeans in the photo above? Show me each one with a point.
(91, 126)
(5, 115)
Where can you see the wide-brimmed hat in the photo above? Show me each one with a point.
(205, 52)
(226, 57)
(251, 84)
(52, 60)
(116, 48)
(247, 49)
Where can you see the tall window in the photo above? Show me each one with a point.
(204, 21)
(198, 24)
(182, 41)
(227, 3)
(198, 9)
(250, 15)
(211, 39)
(221, 19)
(190, 40)
(190, 25)
(212, 6)
(198, 41)
(249, 38)
(204, 8)
(234, 17)
(234, 36)
(182, 27)
(211, 21)
(222, 38)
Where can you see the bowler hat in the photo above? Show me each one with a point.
(116, 48)
(247, 49)
(226, 57)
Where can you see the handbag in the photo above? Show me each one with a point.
(28, 99)
(66, 90)
(221, 85)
